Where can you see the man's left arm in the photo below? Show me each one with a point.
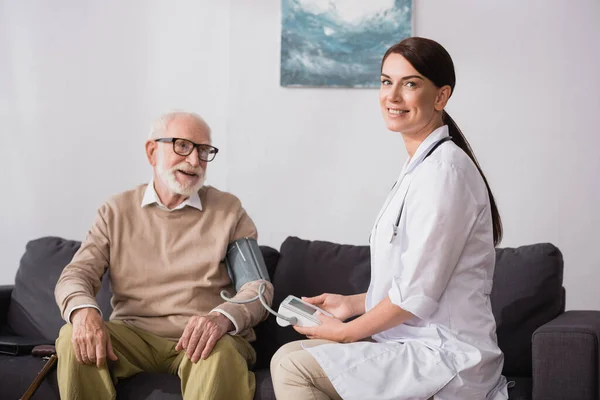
(202, 333)
(244, 316)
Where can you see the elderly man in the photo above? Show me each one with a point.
(163, 245)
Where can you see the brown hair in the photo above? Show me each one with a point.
(433, 61)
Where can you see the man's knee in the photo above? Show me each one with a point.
(225, 356)
(226, 352)
(64, 345)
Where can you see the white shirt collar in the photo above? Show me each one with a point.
(150, 197)
(426, 145)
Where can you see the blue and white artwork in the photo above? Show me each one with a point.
(339, 42)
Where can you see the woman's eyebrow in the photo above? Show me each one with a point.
(405, 77)
(412, 77)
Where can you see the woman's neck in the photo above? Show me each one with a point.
(412, 141)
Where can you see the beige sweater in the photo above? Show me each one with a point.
(164, 266)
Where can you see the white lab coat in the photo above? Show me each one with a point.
(439, 267)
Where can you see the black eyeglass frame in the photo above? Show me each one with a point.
(212, 150)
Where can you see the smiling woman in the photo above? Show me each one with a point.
(425, 82)
(406, 97)
(426, 318)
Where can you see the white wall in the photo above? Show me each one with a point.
(85, 82)
(80, 83)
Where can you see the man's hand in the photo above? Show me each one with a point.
(202, 333)
(91, 340)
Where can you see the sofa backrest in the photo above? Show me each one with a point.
(527, 291)
(33, 311)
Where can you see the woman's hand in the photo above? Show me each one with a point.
(341, 307)
(330, 329)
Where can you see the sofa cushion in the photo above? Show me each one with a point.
(150, 386)
(309, 268)
(527, 293)
(154, 386)
(521, 389)
(271, 256)
(264, 385)
(33, 311)
(18, 372)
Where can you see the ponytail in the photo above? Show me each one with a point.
(431, 60)
(459, 139)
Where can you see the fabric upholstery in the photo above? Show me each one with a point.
(519, 305)
(573, 339)
(167, 387)
(33, 311)
(5, 294)
(17, 373)
(264, 385)
(521, 388)
(527, 293)
(309, 268)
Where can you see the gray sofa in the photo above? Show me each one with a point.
(549, 354)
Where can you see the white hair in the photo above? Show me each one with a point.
(160, 125)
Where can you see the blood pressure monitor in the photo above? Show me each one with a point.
(245, 263)
(304, 313)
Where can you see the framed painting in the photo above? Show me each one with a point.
(339, 43)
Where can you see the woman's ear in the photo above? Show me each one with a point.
(442, 97)
(151, 152)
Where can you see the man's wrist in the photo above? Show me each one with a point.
(223, 321)
(75, 308)
(83, 311)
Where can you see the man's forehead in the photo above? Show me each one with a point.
(189, 128)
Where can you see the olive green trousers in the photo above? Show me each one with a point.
(223, 375)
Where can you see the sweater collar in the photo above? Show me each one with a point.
(151, 197)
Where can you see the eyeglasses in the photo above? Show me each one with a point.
(185, 147)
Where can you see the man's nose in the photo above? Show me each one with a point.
(193, 158)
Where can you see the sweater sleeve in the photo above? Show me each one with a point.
(244, 316)
(80, 281)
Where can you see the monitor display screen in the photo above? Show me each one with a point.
(303, 307)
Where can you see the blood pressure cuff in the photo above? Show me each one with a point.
(245, 262)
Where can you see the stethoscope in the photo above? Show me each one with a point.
(397, 223)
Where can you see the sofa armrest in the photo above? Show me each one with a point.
(5, 293)
(565, 357)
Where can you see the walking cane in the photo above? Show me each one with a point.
(48, 353)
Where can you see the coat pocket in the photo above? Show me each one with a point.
(385, 371)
